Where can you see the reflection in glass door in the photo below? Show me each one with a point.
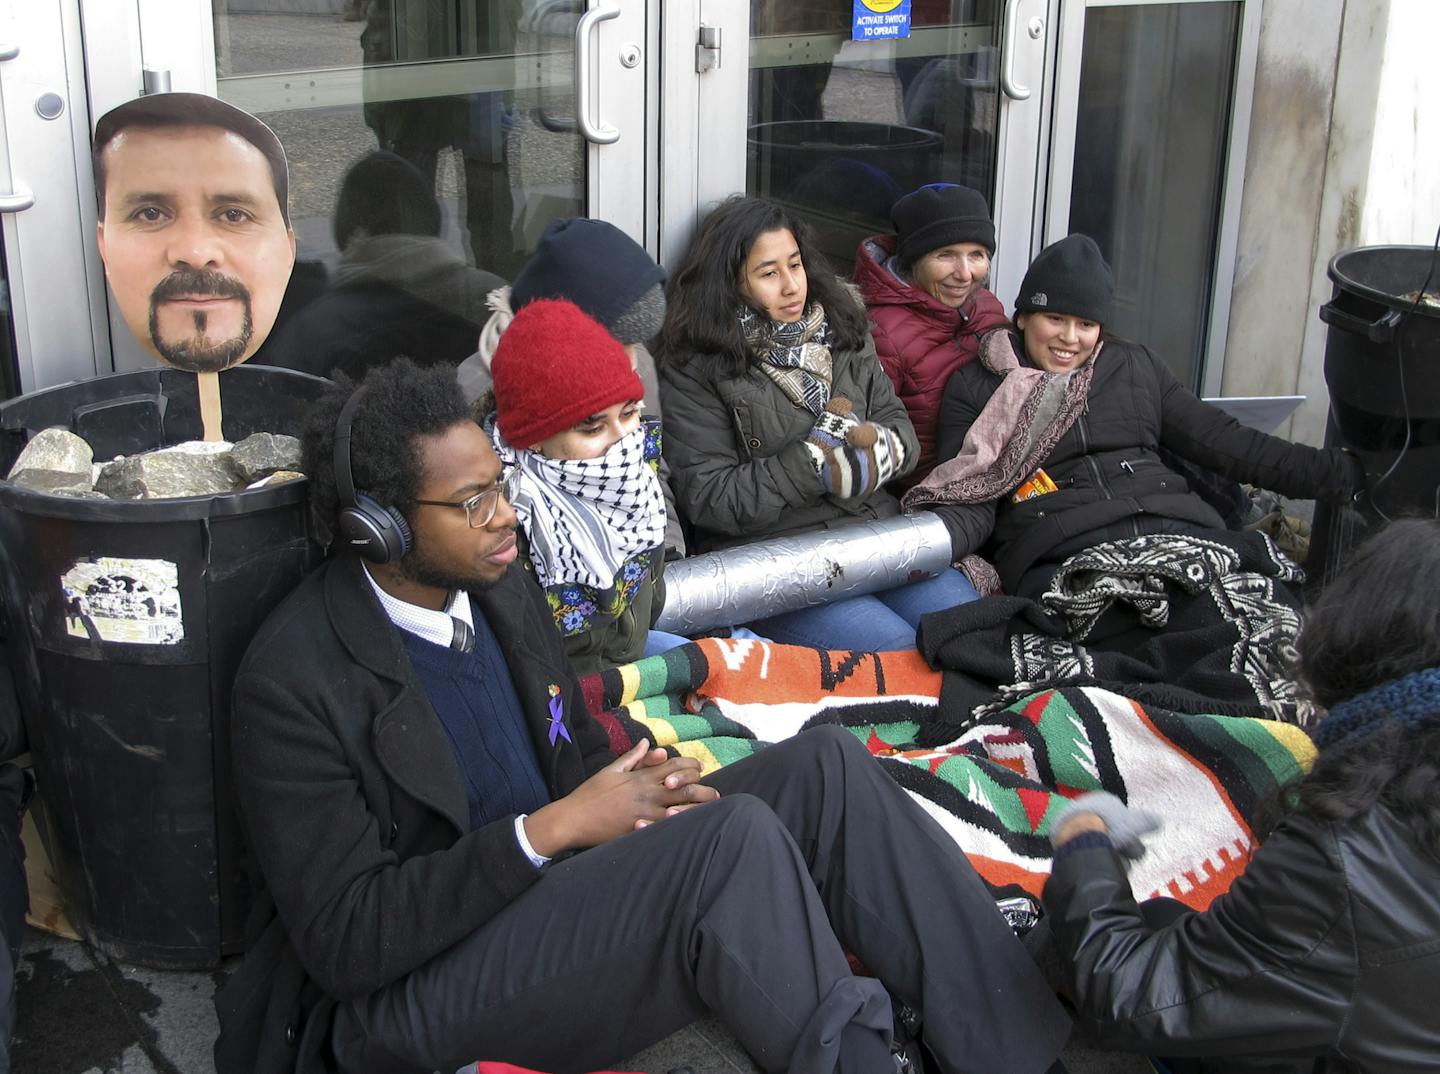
(1150, 139)
(840, 129)
(478, 98)
(1156, 147)
(431, 142)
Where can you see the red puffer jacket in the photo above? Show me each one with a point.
(919, 339)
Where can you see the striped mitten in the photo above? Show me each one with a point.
(829, 431)
(870, 456)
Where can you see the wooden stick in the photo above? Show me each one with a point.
(209, 387)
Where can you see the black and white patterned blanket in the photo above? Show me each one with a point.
(1192, 623)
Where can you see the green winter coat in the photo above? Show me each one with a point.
(738, 464)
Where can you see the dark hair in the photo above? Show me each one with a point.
(190, 110)
(383, 194)
(1377, 622)
(402, 402)
(704, 294)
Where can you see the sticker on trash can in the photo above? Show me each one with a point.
(134, 601)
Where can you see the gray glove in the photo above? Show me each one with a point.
(1124, 826)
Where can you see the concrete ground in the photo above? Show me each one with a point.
(83, 1013)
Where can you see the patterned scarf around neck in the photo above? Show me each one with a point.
(1014, 434)
(584, 518)
(794, 354)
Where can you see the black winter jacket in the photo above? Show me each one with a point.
(1326, 949)
(1112, 482)
(355, 812)
(736, 450)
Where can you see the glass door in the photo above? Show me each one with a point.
(480, 99)
(473, 126)
(839, 129)
(1149, 159)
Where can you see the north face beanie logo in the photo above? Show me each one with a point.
(1039, 298)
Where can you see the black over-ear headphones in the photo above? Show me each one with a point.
(379, 534)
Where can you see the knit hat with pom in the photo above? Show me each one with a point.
(553, 367)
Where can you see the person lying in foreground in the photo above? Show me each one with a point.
(454, 866)
(1325, 951)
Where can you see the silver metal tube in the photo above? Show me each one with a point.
(737, 585)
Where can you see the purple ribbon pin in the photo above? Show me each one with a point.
(557, 720)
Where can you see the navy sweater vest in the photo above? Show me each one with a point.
(475, 698)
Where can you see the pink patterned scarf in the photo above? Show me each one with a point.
(1014, 434)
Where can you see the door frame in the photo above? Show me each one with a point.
(55, 278)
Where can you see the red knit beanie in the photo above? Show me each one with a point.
(554, 366)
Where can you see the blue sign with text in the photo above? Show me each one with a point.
(875, 20)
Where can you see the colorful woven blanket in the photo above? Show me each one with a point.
(996, 787)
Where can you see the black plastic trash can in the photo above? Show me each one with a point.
(1382, 365)
(127, 620)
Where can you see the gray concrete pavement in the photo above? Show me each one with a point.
(83, 1013)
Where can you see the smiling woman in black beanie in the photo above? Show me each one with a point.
(1051, 443)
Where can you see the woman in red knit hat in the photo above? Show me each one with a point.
(568, 415)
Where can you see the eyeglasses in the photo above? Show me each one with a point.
(481, 508)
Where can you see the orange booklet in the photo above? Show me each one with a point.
(1038, 484)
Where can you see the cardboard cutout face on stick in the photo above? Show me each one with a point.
(193, 227)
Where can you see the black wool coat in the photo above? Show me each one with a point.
(354, 810)
(1112, 481)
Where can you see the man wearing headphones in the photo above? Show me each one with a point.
(453, 866)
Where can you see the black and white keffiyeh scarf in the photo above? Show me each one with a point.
(794, 354)
(583, 518)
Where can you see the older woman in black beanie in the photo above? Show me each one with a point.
(1050, 443)
(924, 290)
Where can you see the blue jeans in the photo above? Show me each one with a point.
(877, 622)
(657, 642)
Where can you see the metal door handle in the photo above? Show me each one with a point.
(16, 202)
(599, 133)
(8, 52)
(1013, 89)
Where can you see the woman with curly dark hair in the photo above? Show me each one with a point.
(1325, 952)
(783, 420)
